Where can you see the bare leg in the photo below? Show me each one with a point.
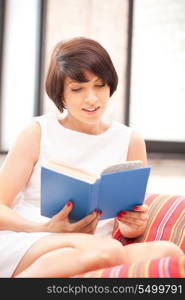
(69, 254)
(65, 263)
(97, 251)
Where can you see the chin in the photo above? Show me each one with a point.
(93, 120)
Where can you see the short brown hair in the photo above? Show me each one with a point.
(70, 58)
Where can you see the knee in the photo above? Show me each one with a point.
(172, 249)
(112, 252)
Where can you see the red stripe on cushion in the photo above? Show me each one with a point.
(177, 267)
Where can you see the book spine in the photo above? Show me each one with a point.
(96, 188)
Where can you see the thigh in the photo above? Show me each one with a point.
(56, 241)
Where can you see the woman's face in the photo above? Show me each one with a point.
(86, 101)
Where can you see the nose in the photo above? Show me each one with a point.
(91, 97)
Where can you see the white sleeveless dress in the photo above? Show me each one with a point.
(90, 152)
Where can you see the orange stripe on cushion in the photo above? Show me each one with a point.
(131, 270)
(182, 266)
(146, 269)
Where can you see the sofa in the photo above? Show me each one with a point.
(166, 222)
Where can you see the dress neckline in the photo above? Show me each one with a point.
(75, 132)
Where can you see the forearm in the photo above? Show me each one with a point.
(11, 220)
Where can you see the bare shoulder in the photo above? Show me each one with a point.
(136, 138)
(137, 148)
(19, 163)
(32, 131)
(27, 143)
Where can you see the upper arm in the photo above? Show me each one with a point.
(137, 148)
(18, 165)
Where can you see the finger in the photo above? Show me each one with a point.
(134, 217)
(138, 210)
(132, 221)
(94, 224)
(141, 208)
(130, 224)
(85, 221)
(141, 216)
(63, 213)
(90, 228)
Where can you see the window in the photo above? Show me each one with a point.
(20, 67)
(157, 91)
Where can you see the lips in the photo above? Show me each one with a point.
(91, 109)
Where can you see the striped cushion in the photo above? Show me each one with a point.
(166, 222)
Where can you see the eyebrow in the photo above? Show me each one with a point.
(72, 81)
(78, 82)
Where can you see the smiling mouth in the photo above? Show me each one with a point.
(91, 110)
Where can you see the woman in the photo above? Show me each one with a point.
(81, 78)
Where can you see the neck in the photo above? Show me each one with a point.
(92, 128)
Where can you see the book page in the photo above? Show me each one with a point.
(127, 165)
(71, 171)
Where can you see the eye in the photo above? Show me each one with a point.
(100, 85)
(76, 90)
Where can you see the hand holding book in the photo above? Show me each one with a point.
(133, 223)
(60, 222)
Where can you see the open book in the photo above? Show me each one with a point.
(119, 187)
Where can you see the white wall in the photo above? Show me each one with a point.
(104, 21)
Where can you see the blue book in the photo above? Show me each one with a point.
(117, 188)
